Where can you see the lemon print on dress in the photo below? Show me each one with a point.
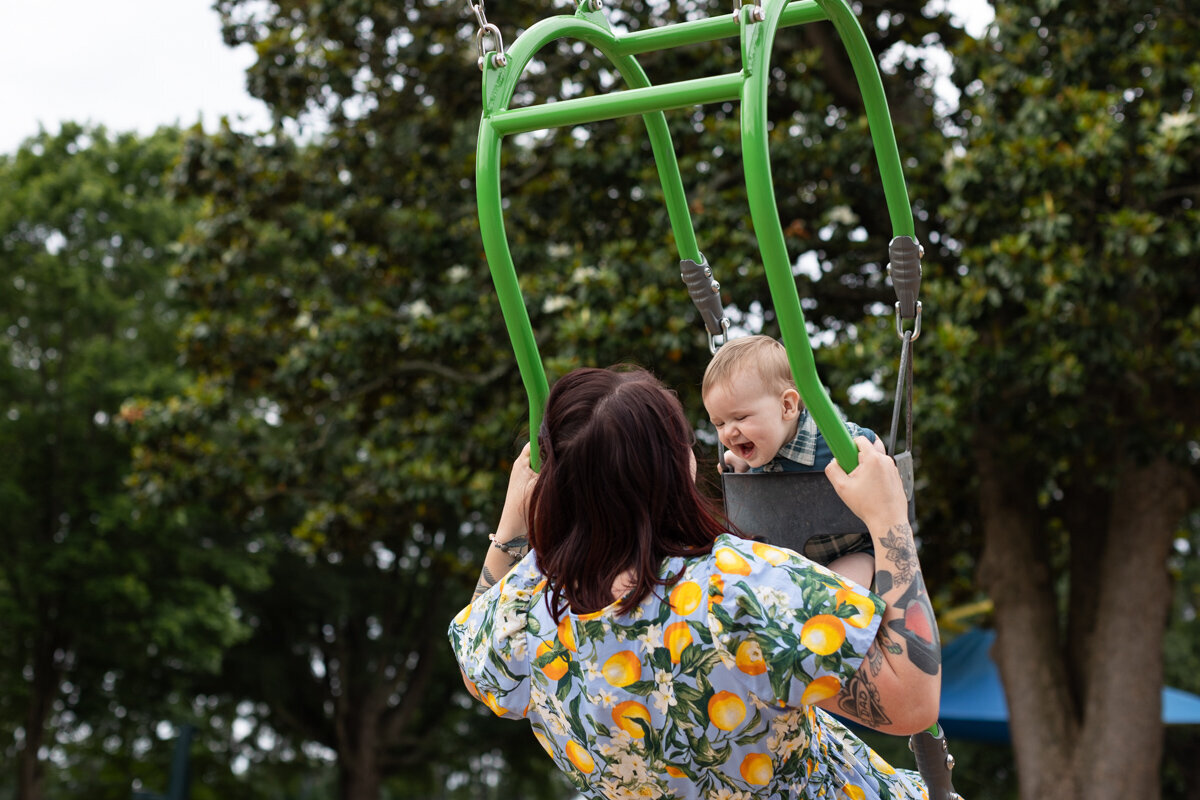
(622, 668)
(624, 715)
(879, 764)
(823, 634)
(544, 742)
(566, 634)
(579, 757)
(491, 702)
(716, 590)
(731, 563)
(675, 772)
(726, 710)
(853, 792)
(556, 668)
(685, 598)
(865, 608)
(676, 637)
(822, 688)
(772, 555)
(749, 658)
(756, 769)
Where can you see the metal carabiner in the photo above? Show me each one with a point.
(916, 331)
(723, 336)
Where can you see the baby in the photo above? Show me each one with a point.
(752, 401)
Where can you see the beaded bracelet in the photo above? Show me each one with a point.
(514, 549)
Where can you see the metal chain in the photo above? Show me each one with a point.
(486, 30)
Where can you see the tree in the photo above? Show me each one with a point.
(1066, 357)
(355, 406)
(101, 607)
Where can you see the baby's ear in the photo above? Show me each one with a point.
(791, 403)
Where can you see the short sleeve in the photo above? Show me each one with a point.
(803, 629)
(490, 643)
(857, 430)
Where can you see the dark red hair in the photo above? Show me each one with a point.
(616, 489)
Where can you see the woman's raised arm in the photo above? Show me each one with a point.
(896, 690)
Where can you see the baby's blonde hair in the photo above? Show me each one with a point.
(755, 355)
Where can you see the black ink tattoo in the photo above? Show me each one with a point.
(901, 552)
(918, 627)
(486, 581)
(860, 697)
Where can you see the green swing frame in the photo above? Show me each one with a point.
(756, 25)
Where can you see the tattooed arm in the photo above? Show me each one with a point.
(510, 543)
(896, 689)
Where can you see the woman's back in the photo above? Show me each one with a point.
(703, 690)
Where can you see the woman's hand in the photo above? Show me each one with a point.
(514, 519)
(873, 490)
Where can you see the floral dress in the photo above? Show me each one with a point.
(705, 691)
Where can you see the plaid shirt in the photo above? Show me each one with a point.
(800, 454)
(808, 452)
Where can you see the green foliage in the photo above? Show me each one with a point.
(103, 604)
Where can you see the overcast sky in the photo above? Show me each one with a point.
(138, 64)
(127, 64)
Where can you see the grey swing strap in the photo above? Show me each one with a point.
(904, 267)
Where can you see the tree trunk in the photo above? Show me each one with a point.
(358, 755)
(1084, 724)
(1015, 571)
(1121, 743)
(30, 775)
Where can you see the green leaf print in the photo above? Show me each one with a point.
(550, 655)
(697, 660)
(748, 603)
(687, 694)
(499, 664)
(532, 625)
(723, 617)
(642, 688)
(574, 719)
(681, 710)
(755, 730)
(661, 658)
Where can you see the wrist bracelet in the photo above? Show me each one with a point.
(517, 548)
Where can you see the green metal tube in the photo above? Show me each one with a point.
(504, 276)
(757, 39)
(624, 103)
(883, 136)
(499, 84)
(698, 31)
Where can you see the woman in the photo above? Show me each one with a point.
(657, 655)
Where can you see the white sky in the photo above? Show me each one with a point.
(137, 64)
(126, 64)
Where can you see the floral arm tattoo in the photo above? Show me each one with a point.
(918, 626)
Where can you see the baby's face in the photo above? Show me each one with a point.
(752, 421)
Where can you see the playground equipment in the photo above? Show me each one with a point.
(751, 502)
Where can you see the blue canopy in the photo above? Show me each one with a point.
(973, 702)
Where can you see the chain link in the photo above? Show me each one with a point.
(485, 32)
